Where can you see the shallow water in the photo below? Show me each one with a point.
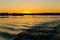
(15, 24)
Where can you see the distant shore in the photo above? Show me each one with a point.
(21, 14)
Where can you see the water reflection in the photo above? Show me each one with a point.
(16, 24)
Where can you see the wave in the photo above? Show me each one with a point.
(8, 31)
(6, 36)
(45, 31)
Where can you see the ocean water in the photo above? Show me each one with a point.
(13, 25)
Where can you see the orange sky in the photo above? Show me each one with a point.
(30, 11)
(30, 6)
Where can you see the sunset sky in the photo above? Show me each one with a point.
(32, 6)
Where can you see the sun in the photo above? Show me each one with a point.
(26, 11)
